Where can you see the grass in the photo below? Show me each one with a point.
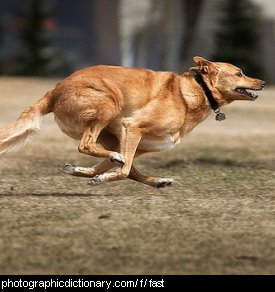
(218, 218)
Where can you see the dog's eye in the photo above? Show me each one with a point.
(239, 74)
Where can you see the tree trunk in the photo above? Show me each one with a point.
(191, 14)
(106, 25)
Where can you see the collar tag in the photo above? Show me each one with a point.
(219, 116)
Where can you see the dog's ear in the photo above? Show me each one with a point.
(204, 66)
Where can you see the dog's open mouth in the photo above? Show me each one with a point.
(248, 92)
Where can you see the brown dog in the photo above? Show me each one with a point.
(131, 112)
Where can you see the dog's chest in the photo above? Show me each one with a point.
(158, 145)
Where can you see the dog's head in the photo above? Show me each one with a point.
(227, 82)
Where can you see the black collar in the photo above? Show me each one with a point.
(213, 103)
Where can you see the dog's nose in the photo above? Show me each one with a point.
(262, 83)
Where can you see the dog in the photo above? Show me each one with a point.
(130, 112)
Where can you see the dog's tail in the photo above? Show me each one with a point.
(16, 135)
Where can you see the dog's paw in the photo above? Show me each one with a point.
(97, 180)
(68, 168)
(116, 157)
(165, 182)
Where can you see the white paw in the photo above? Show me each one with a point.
(97, 180)
(164, 182)
(116, 157)
(68, 168)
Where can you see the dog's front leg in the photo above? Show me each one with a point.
(130, 138)
(149, 180)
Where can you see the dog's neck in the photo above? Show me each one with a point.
(209, 95)
(212, 101)
(201, 97)
(195, 103)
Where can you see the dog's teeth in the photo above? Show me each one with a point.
(241, 90)
(248, 92)
(252, 94)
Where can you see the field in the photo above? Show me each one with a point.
(218, 218)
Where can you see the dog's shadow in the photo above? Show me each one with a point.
(206, 161)
(57, 194)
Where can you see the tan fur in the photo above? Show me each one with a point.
(16, 135)
(129, 112)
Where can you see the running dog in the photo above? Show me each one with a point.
(131, 112)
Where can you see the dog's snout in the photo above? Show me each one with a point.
(262, 84)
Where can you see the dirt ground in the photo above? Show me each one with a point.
(218, 218)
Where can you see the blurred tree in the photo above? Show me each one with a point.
(1, 40)
(106, 22)
(237, 40)
(191, 14)
(37, 58)
(156, 48)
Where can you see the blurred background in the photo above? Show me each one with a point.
(218, 218)
(56, 37)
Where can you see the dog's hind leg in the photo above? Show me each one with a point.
(109, 142)
(149, 180)
(88, 144)
(97, 169)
